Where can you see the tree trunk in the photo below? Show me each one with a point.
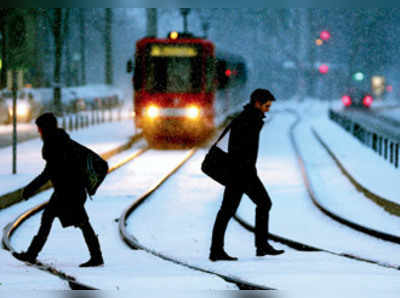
(70, 78)
(3, 74)
(60, 30)
(82, 25)
(57, 59)
(108, 47)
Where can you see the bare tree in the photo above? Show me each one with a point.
(82, 35)
(108, 46)
(3, 75)
(58, 20)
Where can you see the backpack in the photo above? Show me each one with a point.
(92, 167)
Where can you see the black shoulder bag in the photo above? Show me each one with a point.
(217, 163)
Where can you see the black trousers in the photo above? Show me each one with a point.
(40, 239)
(233, 193)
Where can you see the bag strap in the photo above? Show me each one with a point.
(223, 134)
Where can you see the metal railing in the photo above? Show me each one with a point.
(84, 119)
(384, 145)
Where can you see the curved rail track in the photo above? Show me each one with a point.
(9, 230)
(303, 247)
(134, 243)
(129, 239)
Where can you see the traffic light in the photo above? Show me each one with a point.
(325, 35)
(323, 68)
(358, 76)
(319, 42)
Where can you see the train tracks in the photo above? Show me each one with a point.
(9, 230)
(73, 282)
(135, 243)
(314, 197)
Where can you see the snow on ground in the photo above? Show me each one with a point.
(178, 219)
(293, 216)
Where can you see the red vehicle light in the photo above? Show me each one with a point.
(346, 100)
(367, 101)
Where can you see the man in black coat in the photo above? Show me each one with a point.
(67, 201)
(243, 149)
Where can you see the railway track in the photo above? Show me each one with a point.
(9, 230)
(312, 194)
(134, 243)
(72, 281)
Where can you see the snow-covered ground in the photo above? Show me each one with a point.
(178, 219)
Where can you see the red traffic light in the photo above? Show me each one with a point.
(325, 35)
(323, 68)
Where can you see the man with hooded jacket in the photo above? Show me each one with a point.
(243, 150)
(67, 201)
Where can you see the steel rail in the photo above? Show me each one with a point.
(9, 230)
(134, 243)
(375, 198)
(304, 247)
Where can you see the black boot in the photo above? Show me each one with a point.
(96, 258)
(220, 255)
(93, 262)
(31, 254)
(267, 249)
(25, 256)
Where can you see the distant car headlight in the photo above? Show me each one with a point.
(153, 112)
(193, 112)
(23, 109)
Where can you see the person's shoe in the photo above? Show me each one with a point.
(268, 250)
(93, 262)
(25, 257)
(221, 255)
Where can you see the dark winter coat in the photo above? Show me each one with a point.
(62, 169)
(244, 140)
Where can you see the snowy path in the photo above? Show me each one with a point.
(178, 221)
(124, 268)
(185, 230)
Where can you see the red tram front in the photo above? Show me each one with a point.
(174, 82)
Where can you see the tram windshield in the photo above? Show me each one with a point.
(174, 69)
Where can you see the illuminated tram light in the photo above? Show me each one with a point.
(193, 112)
(174, 35)
(153, 112)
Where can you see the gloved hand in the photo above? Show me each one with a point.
(26, 194)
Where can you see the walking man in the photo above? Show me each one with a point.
(67, 201)
(243, 149)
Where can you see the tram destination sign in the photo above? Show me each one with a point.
(173, 51)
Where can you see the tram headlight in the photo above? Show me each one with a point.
(153, 112)
(193, 112)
